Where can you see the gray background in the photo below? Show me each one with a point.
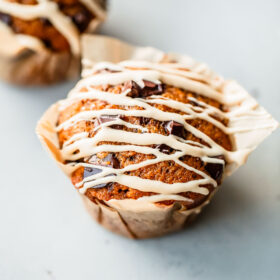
(45, 232)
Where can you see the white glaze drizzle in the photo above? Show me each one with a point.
(17, 41)
(49, 9)
(178, 75)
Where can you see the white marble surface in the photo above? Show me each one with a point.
(45, 232)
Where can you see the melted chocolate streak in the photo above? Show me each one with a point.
(171, 127)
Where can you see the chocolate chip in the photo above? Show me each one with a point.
(193, 102)
(107, 118)
(134, 88)
(144, 121)
(7, 19)
(164, 148)
(80, 18)
(117, 127)
(215, 170)
(112, 160)
(89, 171)
(103, 185)
(151, 88)
(47, 43)
(45, 21)
(175, 128)
(149, 84)
(93, 159)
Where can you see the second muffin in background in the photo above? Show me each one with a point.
(40, 40)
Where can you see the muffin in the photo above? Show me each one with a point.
(40, 40)
(148, 140)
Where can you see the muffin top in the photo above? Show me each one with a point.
(150, 131)
(54, 25)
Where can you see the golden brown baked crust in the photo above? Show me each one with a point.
(167, 171)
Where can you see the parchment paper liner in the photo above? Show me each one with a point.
(22, 65)
(39, 68)
(136, 218)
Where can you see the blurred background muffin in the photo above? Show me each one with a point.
(40, 40)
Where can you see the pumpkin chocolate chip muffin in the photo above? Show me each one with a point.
(49, 30)
(166, 171)
(148, 143)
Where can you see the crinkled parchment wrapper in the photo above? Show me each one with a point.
(135, 218)
(30, 67)
(22, 65)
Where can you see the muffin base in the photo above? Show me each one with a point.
(141, 224)
(39, 68)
